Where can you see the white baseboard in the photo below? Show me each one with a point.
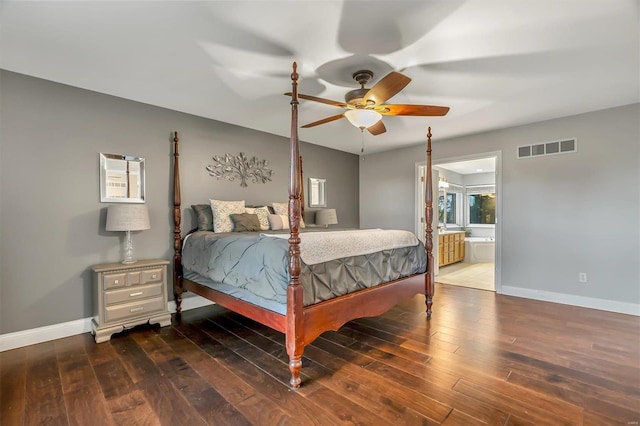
(571, 299)
(58, 331)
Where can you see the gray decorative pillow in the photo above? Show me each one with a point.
(244, 222)
(204, 216)
(263, 213)
(221, 214)
(278, 221)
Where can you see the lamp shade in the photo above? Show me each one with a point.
(127, 217)
(326, 217)
(363, 117)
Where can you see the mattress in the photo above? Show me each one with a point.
(255, 267)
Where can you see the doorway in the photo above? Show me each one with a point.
(467, 213)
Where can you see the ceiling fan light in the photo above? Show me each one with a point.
(363, 118)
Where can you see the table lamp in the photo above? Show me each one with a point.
(127, 217)
(326, 217)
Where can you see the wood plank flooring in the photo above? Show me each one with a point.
(482, 359)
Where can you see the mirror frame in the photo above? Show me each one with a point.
(117, 169)
(317, 192)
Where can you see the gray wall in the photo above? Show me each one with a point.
(562, 214)
(451, 177)
(51, 218)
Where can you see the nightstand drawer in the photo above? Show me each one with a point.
(152, 276)
(136, 293)
(121, 280)
(132, 310)
(115, 280)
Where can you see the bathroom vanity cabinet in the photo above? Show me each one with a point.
(451, 248)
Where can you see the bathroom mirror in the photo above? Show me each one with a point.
(317, 194)
(121, 179)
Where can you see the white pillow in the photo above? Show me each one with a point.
(222, 211)
(262, 213)
(278, 221)
(283, 209)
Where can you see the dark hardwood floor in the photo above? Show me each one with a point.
(482, 359)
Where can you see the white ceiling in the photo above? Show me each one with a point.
(495, 63)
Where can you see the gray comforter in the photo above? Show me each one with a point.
(260, 265)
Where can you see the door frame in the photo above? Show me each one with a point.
(499, 196)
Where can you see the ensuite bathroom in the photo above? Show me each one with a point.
(467, 205)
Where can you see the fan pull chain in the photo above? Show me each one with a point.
(362, 147)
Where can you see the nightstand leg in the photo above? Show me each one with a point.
(103, 334)
(164, 320)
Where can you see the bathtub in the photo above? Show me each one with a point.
(479, 249)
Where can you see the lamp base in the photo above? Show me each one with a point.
(128, 250)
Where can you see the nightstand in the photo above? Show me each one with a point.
(129, 295)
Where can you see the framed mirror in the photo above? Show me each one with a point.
(121, 179)
(317, 192)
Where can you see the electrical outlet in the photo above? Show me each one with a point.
(582, 277)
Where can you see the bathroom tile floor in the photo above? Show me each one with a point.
(465, 274)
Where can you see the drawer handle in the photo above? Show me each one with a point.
(154, 276)
(138, 309)
(137, 293)
(116, 282)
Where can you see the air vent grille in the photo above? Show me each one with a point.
(564, 146)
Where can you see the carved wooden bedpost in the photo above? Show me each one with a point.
(428, 198)
(294, 326)
(177, 233)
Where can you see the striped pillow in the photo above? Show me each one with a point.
(283, 209)
(278, 221)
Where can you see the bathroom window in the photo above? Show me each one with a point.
(448, 213)
(481, 205)
(453, 211)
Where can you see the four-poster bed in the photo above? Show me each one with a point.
(304, 322)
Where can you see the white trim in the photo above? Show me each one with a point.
(33, 336)
(44, 334)
(418, 212)
(571, 299)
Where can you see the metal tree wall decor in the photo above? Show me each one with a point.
(232, 167)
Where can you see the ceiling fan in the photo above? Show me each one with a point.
(365, 107)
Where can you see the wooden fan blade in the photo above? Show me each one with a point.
(377, 128)
(386, 88)
(324, 120)
(414, 110)
(322, 100)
